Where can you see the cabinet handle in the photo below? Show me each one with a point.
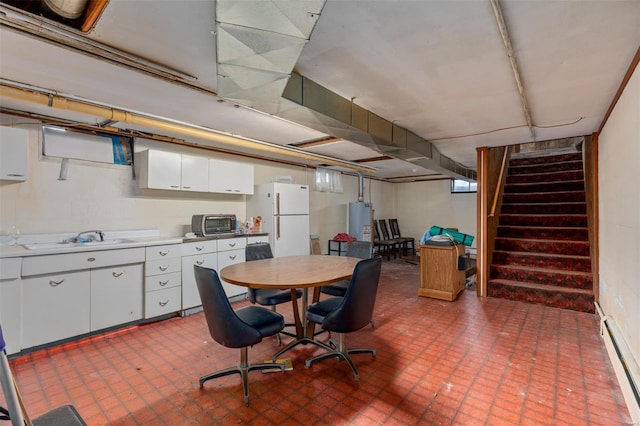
(53, 283)
(163, 283)
(199, 262)
(199, 248)
(91, 259)
(163, 253)
(228, 190)
(186, 187)
(15, 175)
(117, 274)
(174, 186)
(163, 268)
(163, 304)
(232, 257)
(232, 244)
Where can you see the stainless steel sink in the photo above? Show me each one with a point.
(66, 244)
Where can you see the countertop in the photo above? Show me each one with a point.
(133, 239)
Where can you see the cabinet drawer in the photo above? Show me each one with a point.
(164, 266)
(200, 247)
(259, 239)
(162, 302)
(161, 281)
(163, 252)
(37, 265)
(232, 244)
(10, 268)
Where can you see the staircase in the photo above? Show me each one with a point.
(541, 250)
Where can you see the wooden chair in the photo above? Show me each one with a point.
(382, 247)
(409, 243)
(396, 245)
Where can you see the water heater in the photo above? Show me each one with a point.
(360, 221)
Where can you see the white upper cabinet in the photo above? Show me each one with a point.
(168, 170)
(13, 153)
(159, 169)
(229, 177)
(195, 173)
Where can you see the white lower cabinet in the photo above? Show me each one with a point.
(201, 253)
(10, 301)
(55, 307)
(66, 295)
(116, 295)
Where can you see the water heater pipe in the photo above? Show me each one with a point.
(360, 187)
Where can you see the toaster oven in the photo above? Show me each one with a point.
(204, 225)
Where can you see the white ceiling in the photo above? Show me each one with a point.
(436, 68)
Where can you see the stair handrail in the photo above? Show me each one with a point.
(499, 182)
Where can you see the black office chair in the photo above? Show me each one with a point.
(267, 296)
(235, 329)
(65, 415)
(359, 249)
(349, 313)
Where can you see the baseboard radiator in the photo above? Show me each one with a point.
(625, 366)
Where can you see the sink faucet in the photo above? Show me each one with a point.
(100, 234)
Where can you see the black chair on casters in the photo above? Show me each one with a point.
(235, 329)
(349, 313)
(359, 249)
(267, 296)
(65, 415)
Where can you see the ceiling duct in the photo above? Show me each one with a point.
(258, 45)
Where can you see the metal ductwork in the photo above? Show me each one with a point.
(258, 45)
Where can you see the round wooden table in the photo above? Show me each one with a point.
(292, 272)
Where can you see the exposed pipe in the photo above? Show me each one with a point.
(497, 11)
(360, 187)
(116, 115)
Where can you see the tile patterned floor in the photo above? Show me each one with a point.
(471, 362)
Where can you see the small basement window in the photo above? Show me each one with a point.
(463, 186)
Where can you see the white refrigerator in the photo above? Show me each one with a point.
(284, 208)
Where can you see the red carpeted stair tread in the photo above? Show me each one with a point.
(546, 159)
(548, 176)
(532, 169)
(546, 287)
(575, 279)
(563, 233)
(536, 187)
(549, 220)
(540, 259)
(579, 248)
(544, 197)
(575, 299)
(546, 208)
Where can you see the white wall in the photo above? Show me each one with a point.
(619, 214)
(103, 196)
(426, 204)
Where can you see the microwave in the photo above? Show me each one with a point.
(204, 225)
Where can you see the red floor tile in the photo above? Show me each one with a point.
(472, 361)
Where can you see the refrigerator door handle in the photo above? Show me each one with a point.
(277, 203)
(277, 227)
